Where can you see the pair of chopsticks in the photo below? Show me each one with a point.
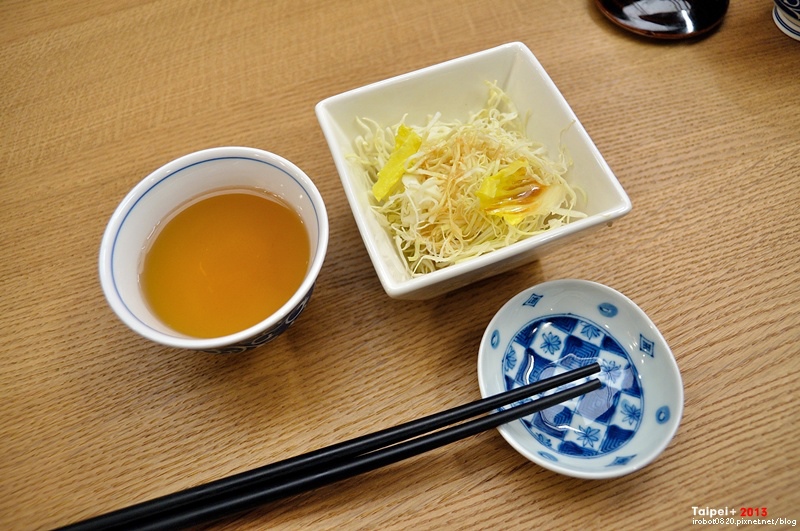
(247, 490)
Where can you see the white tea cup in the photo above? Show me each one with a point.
(169, 187)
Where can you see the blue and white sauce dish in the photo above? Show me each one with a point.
(165, 190)
(560, 325)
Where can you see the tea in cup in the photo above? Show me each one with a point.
(217, 251)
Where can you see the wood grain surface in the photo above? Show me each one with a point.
(94, 95)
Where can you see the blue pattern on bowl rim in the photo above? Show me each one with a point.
(269, 334)
(560, 325)
(790, 7)
(786, 23)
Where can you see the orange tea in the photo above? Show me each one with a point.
(225, 263)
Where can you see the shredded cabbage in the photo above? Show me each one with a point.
(450, 191)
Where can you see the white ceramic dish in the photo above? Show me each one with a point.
(456, 88)
(564, 324)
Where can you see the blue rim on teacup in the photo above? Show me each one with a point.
(169, 187)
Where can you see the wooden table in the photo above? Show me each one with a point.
(704, 136)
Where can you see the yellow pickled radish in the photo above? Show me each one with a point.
(406, 143)
(511, 193)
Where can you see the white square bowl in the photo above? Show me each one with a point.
(455, 89)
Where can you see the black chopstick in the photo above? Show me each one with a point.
(294, 475)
